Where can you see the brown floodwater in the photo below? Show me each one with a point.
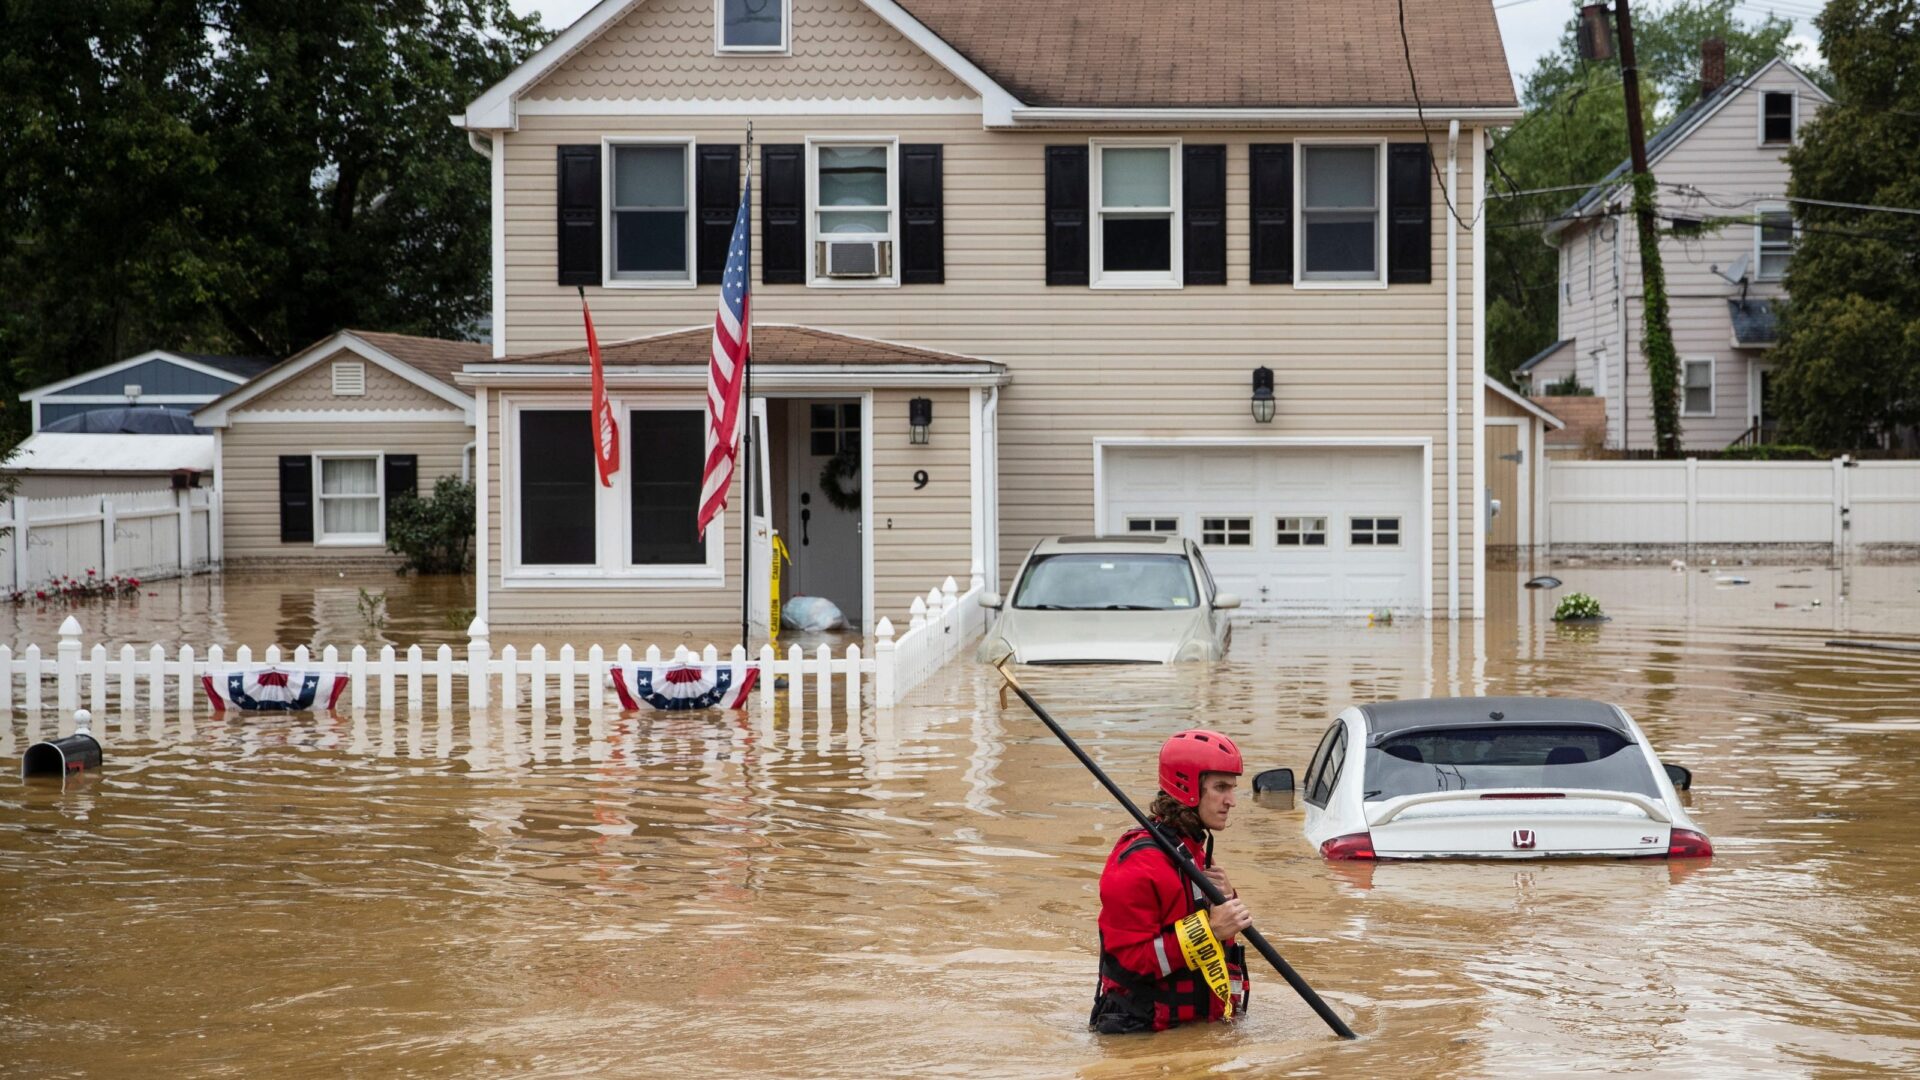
(723, 895)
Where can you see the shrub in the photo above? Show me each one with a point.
(1772, 452)
(69, 589)
(1577, 606)
(435, 534)
(1568, 387)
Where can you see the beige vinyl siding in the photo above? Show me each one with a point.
(313, 389)
(250, 473)
(1085, 362)
(664, 49)
(1499, 407)
(922, 537)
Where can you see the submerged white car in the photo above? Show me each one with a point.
(1110, 600)
(1497, 777)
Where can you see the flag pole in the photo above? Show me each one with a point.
(746, 510)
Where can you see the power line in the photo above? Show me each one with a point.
(1406, 50)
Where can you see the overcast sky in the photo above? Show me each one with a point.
(1529, 27)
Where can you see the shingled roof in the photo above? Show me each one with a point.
(772, 344)
(437, 357)
(1228, 53)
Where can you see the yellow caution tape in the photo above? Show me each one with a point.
(773, 593)
(1204, 954)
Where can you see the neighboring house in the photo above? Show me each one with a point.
(1722, 157)
(1058, 243)
(56, 464)
(313, 451)
(172, 380)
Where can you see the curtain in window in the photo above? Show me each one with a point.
(350, 496)
(853, 176)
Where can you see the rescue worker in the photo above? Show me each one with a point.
(1155, 961)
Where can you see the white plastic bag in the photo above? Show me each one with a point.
(813, 613)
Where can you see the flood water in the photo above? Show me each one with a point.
(728, 895)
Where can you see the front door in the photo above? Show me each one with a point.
(825, 492)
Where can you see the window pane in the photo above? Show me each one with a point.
(556, 488)
(349, 476)
(1137, 243)
(649, 176)
(1773, 265)
(1699, 400)
(1136, 176)
(650, 242)
(338, 517)
(1341, 176)
(853, 221)
(1341, 245)
(668, 446)
(751, 23)
(1778, 122)
(853, 176)
(1699, 376)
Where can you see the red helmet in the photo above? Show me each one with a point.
(1190, 753)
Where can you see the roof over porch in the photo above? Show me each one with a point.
(784, 356)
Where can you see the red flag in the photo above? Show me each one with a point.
(606, 433)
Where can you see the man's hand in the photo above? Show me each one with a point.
(1219, 879)
(1229, 919)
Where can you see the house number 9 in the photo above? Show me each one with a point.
(919, 479)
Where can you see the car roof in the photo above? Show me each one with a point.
(1387, 717)
(1132, 541)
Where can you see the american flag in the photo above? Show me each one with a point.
(726, 369)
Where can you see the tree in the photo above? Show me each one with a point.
(1849, 374)
(240, 175)
(1573, 133)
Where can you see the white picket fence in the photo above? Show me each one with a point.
(940, 626)
(141, 534)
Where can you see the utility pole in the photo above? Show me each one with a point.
(1656, 332)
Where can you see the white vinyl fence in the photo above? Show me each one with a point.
(160, 680)
(141, 534)
(1843, 503)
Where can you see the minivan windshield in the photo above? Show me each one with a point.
(1074, 581)
(1517, 756)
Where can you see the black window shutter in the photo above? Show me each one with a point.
(1409, 214)
(922, 216)
(1270, 206)
(716, 188)
(783, 210)
(402, 476)
(296, 499)
(579, 235)
(1066, 215)
(1203, 210)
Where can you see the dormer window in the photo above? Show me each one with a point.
(751, 26)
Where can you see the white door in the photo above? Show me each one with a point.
(760, 528)
(823, 518)
(1305, 531)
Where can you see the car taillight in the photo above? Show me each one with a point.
(1687, 844)
(1351, 846)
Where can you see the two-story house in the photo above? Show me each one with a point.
(1727, 236)
(1018, 269)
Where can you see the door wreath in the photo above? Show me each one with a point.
(834, 475)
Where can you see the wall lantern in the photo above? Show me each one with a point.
(1263, 395)
(919, 419)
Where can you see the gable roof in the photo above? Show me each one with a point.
(1540, 357)
(428, 363)
(1028, 57)
(1684, 123)
(773, 343)
(233, 369)
(1553, 422)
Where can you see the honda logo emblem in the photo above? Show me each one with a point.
(1523, 838)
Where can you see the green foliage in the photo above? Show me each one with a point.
(1574, 133)
(1849, 355)
(1577, 606)
(229, 176)
(1568, 386)
(435, 534)
(373, 609)
(1656, 332)
(1771, 452)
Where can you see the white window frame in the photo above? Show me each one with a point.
(721, 48)
(1326, 537)
(1759, 214)
(892, 237)
(1713, 385)
(1150, 519)
(607, 219)
(1227, 531)
(1399, 531)
(373, 539)
(349, 365)
(613, 516)
(1174, 276)
(1760, 119)
(1300, 279)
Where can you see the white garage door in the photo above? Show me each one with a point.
(1292, 531)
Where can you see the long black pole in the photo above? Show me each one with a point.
(746, 394)
(1181, 859)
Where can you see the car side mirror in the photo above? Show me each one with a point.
(1273, 780)
(1225, 601)
(992, 600)
(1681, 776)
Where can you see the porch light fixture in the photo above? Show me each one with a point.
(1263, 395)
(919, 419)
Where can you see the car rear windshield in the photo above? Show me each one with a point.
(1518, 756)
(1107, 582)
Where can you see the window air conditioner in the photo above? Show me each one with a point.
(854, 258)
